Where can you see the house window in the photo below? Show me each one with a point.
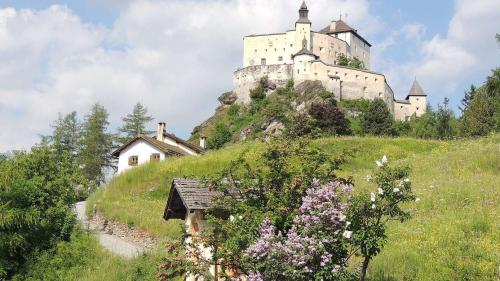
(280, 58)
(155, 157)
(262, 61)
(133, 160)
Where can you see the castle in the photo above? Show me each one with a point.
(302, 54)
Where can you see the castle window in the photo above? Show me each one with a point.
(298, 71)
(154, 157)
(280, 58)
(418, 107)
(401, 107)
(380, 94)
(357, 76)
(320, 49)
(262, 61)
(291, 45)
(133, 160)
(417, 99)
(266, 50)
(256, 50)
(376, 79)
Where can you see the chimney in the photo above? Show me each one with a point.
(203, 142)
(161, 130)
(333, 25)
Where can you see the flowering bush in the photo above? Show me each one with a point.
(369, 213)
(313, 248)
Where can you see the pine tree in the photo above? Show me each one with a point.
(444, 119)
(478, 119)
(96, 145)
(377, 120)
(135, 123)
(66, 135)
(468, 96)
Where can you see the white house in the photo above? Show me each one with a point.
(143, 149)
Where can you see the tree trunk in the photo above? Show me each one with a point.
(364, 268)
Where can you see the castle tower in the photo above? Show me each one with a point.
(303, 28)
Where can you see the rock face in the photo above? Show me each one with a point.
(273, 128)
(227, 98)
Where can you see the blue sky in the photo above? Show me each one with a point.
(177, 56)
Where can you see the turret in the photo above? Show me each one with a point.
(304, 14)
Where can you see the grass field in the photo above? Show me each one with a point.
(454, 233)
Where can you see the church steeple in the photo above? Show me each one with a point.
(303, 14)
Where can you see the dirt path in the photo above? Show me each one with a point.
(113, 243)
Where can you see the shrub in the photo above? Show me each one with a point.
(221, 136)
(378, 120)
(330, 118)
(444, 119)
(259, 92)
(36, 190)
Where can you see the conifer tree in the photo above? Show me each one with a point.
(96, 145)
(468, 96)
(66, 135)
(135, 123)
(444, 118)
(377, 120)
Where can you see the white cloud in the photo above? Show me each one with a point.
(175, 57)
(442, 63)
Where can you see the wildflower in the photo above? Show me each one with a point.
(336, 268)
(372, 195)
(401, 184)
(347, 234)
(417, 200)
(368, 178)
(342, 217)
(240, 217)
(396, 190)
(407, 180)
(384, 159)
(347, 223)
(373, 206)
(231, 218)
(379, 163)
(380, 191)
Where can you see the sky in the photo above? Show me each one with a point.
(177, 56)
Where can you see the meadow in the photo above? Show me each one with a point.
(453, 233)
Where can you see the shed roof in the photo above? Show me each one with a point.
(161, 146)
(187, 194)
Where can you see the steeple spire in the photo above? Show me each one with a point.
(303, 13)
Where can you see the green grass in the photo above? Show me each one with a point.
(453, 234)
(83, 259)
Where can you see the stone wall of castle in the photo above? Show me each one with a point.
(248, 78)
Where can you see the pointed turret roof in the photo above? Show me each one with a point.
(416, 90)
(303, 14)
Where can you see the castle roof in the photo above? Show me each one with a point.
(416, 90)
(303, 14)
(342, 27)
(306, 52)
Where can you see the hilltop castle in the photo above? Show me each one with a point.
(302, 54)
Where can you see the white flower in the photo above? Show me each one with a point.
(231, 218)
(380, 191)
(379, 163)
(407, 180)
(368, 178)
(347, 223)
(384, 159)
(373, 206)
(240, 217)
(396, 190)
(401, 183)
(417, 199)
(342, 217)
(347, 234)
(372, 196)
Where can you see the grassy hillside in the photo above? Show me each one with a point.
(453, 234)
